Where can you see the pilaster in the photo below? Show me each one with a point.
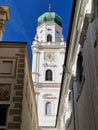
(4, 15)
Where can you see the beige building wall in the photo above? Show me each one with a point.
(16, 89)
(4, 15)
(29, 112)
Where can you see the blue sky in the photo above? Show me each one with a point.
(24, 14)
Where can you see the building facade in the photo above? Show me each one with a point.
(4, 15)
(48, 51)
(79, 91)
(18, 110)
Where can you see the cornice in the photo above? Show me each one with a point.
(36, 51)
(49, 46)
(13, 44)
(62, 52)
(36, 73)
(88, 19)
(45, 24)
(47, 65)
(46, 85)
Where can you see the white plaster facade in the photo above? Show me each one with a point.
(47, 55)
(83, 95)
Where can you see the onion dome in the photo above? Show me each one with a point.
(50, 17)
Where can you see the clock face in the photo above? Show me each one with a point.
(49, 56)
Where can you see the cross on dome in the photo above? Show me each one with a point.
(49, 17)
(49, 8)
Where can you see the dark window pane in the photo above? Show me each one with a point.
(49, 38)
(80, 67)
(3, 114)
(49, 75)
(48, 109)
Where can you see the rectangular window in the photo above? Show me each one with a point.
(48, 107)
(3, 114)
(7, 67)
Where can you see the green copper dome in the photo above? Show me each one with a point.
(49, 17)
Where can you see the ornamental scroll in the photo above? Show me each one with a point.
(4, 92)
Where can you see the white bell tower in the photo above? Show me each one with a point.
(48, 51)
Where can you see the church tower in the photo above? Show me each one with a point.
(48, 51)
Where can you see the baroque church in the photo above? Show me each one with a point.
(48, 51)
(64, 91)
(32, 105)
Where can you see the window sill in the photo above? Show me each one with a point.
(2, 127)
(49, 115)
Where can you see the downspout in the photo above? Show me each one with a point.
(73, 108)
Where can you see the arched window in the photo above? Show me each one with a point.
(48, 75)
(49, 38)
(48, 107)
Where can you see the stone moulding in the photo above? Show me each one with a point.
(88, 19)
(4, 15)
(4, 92)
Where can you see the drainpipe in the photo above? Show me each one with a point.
(73, 103)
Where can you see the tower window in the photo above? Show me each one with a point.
(48, 107)
(57, 32)
(49, 38)
(48, 75)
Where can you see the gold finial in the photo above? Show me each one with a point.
(49, 8)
